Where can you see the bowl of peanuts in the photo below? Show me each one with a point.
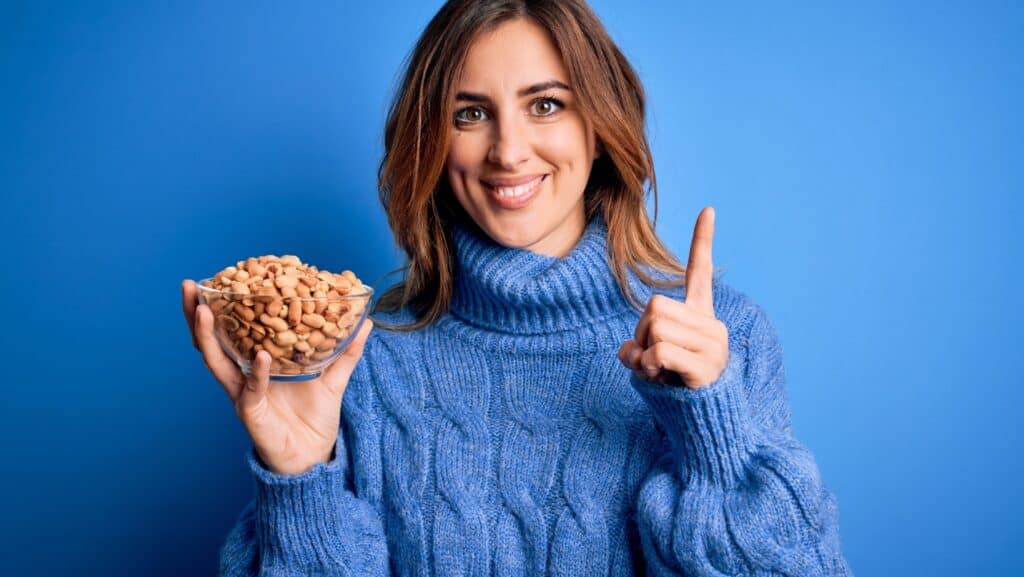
(302, 316)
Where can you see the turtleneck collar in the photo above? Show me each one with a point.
(517, 291)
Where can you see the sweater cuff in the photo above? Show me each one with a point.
(299, 517)
(708, 428)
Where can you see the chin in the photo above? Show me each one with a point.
(515, 237)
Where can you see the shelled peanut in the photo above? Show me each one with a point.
(293, 311)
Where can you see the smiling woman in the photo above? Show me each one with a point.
(532, 403)
(521, 153)
(565, 105)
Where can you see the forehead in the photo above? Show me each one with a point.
(517, 53)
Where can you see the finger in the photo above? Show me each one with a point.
(223, 368)
(629, 355)
(189, 298)
(661, 306)
(252, 397)
(336, 376)
(669, 357)
(696, 339)
(699, 268)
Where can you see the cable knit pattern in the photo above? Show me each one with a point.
(404, 445)
(462, 458)
(592, 473)
(529, 453)
(506, 439)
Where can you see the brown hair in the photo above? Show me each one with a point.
(418, 200)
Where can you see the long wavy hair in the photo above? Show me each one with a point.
(418, 199)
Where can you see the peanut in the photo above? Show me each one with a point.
(320, 305)
(285, 281)
(315, 338)
(313, 320)
(229, 323)
(285, 339)
(276, 323)
(243, 311)
(218, 305)
(327, 345)
(330, 329)
(266, 294)
(294, 311)
(274, 350)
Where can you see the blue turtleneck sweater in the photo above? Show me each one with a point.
(507, 439)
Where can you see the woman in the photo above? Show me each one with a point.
(529, 405)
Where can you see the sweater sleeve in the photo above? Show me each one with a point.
(307, 524)
(736, 494)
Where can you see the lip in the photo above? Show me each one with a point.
(517, 202)
(496, 182)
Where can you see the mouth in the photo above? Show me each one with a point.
(514, 193)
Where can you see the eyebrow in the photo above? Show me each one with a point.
(539, 87)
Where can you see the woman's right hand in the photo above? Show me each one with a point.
(293, 425)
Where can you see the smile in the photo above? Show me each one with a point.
(512, 194)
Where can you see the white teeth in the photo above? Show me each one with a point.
(515, 191)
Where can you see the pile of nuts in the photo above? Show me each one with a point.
(293, 311)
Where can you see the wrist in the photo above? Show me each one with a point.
(298, 466)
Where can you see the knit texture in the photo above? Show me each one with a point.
(506, 439)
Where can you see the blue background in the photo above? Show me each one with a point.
(864, 160)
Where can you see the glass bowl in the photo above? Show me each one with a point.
(302, 344)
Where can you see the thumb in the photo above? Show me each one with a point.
(336, 376)
(254, 393)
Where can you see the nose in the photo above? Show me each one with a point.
(510, 147)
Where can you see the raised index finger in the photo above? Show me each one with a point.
(698, 270)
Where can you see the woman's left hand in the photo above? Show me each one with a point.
(682, 343)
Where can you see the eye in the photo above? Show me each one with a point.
(546, 106)
(470, 115)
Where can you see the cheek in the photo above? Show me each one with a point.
(456, 165)
(567, 147)
(463, 164)
(464, 155)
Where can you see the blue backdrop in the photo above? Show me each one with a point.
(864, 160)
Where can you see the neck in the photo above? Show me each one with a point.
(561, 241)
(523, 292)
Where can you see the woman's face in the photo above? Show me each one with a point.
(520, 151)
